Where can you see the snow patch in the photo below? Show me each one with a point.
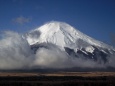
(90, 49)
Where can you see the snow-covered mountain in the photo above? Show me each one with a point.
(70, 40)
(61, 34)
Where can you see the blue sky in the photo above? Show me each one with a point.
(95, 18)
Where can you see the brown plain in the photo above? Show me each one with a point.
(83, 74)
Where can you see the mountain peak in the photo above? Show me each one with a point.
(54, 26)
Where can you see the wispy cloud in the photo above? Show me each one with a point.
(21, 20)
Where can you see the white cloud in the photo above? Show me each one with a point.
(21, 20)
(52, 58)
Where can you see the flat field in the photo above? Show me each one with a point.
(58, 79)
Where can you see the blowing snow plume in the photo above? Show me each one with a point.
(54, 45)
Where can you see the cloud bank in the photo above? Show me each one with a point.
(15, 53)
